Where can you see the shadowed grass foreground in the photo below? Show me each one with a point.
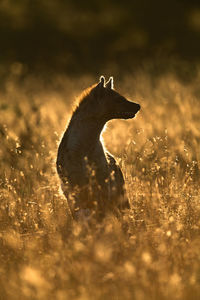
(153, 253)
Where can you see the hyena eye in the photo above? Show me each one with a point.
(119, 99)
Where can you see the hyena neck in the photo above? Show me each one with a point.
(83, 134)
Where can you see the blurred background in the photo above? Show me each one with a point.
(50, 50)
(92, 37)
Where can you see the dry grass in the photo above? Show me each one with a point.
(155, 252)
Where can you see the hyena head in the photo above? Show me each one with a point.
(110, 104)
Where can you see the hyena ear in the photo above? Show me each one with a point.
(99, 88)
(109, 84)
(101, 82)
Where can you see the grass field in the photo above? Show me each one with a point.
(154, 252)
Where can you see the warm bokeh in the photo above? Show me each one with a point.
(154, 252)
(49, 52)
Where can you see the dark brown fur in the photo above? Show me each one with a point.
(91, 179)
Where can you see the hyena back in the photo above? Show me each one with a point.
(90, 177)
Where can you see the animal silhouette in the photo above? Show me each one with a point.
(91, 179)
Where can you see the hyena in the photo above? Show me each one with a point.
(91, 179)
